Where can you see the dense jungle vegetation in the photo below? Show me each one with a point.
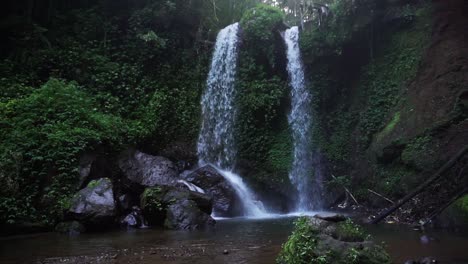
(103, 75)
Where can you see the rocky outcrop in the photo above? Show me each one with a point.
(225, 200)
(318, 241)
(94, 205)
(177, 208)
(147, 170)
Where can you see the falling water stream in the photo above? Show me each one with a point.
(303, 173)
(216, 145)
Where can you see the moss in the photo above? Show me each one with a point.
(420, 153)
(384, 79)
(393, 180)
(462, 205)
(93, 184)
(151, 200)
(389, 127)
(259, 22)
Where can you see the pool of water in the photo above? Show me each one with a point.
(255, 241)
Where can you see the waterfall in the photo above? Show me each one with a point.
(303, 174)
(216, 144)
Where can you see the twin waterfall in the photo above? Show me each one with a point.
(216, 143)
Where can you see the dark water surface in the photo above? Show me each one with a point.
(247, 241)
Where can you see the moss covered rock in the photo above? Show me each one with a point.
(258, 23)
(176, 209)
(94, 205)
(317, 241)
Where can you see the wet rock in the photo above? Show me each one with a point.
(125, 202)
(225, 252)
(176, 208)
(94, 205)
(463, 99)
(134, 219)
(428, 260)
(331, 217)
(225, 200)
(184, 154)
(70, 227)
(185, 215)
(147, 170)
(84, 168)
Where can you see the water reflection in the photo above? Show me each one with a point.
(256, 241)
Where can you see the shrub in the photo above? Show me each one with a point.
(41, 138)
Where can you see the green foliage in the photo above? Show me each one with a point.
(389, 127)
(350, 232)
(152, 200)
(420, 153)
(301, 245)
(371, 255)
(346, 18)
(263, 135)
(307, 244)
(41, 138)
(386, 76)
(393, 180)
(258, 23)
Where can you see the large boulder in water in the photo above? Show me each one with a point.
(225, 200)
(147, 170)
(317, 241)
(95, 204)
(176, 208)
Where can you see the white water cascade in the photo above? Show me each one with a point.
(303, 174)
(216, 144)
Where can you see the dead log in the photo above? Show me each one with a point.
(423, 186)
(381, 196)
(347, 191)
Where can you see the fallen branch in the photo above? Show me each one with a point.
(347, 191)
(381, 196)
(421, 187)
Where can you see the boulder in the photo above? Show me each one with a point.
(176, 208)
(94, 205)
(147, 170)
(183, 153)
(331, 217)
(125, 202)
(318, 241)
(185, 215)
(225, 200)
(134, 219)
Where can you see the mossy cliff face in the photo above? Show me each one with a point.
(390, 102)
